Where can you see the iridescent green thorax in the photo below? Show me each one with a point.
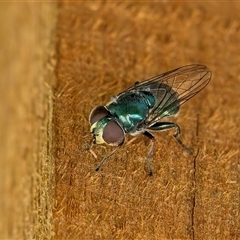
(131, 109)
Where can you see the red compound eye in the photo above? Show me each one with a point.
(113, 134)
(97, 113)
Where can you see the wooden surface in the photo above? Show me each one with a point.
(27, 49)
(49, 184)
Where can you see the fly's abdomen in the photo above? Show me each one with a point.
(168, 103)
(131, 109)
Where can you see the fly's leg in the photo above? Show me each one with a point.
(162, 126)
(177, 137)
(150, 152)
(105, 159)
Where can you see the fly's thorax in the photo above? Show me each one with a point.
(131, 109)
(149, 98)
(105, 128)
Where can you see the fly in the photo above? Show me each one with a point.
(141, 108)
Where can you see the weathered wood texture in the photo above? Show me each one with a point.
(102, 48)
(27, 35)
(106, 47)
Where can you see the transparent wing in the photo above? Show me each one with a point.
(172, 89)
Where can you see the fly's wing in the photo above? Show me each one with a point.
(172, 89)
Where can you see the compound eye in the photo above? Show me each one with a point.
(97, 113)
(113, 134)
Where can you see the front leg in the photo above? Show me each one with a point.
(162, 126)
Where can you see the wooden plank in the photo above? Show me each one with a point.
(102, 48)
(27, 35)
(106, 47)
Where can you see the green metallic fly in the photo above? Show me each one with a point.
(142, 108)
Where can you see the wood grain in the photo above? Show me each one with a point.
(61, 60)
(27, 35)
(106, 47)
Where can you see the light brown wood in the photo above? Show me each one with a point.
(27, 36)
(49, 186)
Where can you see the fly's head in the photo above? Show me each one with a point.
(104, 128)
